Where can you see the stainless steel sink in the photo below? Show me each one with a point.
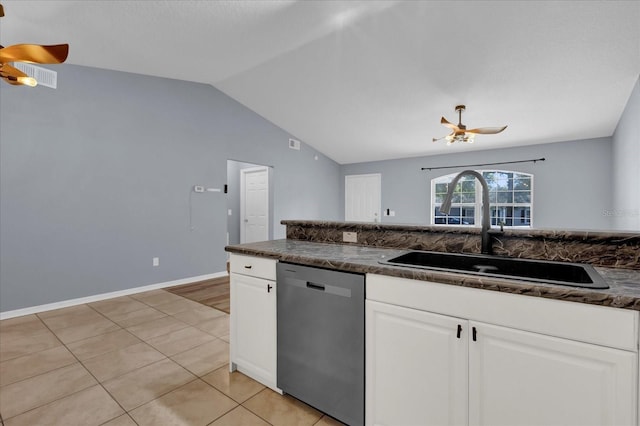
(561, 273)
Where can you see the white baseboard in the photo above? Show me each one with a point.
(103, 296)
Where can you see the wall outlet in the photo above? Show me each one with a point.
(350, 237)
(156, 261)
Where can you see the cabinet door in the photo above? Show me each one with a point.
(253, 327)
(522, 378)
(416, 367)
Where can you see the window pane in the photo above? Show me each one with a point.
(441, 188)
(491, 181)
(505, 197)
(522, 197)
(522, 216)
(468, 215)
(469, 186)
(522, 184)
(468, 197)
(504, 181)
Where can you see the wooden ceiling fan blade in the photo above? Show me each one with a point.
(16, 77)
(446, 123)
(8, 70)
(35, 53)
(442, 137)
(486, 130)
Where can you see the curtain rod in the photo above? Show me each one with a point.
(485, 164)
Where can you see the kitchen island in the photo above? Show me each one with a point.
(454, 348)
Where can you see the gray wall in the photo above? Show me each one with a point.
(96, 179)
(572, 187)
(625, 209)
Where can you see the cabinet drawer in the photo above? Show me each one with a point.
(260, 267)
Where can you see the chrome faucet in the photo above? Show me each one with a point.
(486, 247)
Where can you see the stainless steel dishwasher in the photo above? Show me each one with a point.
(321, 339)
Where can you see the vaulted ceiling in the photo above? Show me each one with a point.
(369, 80)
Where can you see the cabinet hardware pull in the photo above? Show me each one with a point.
(247, 266)
(474, 331)
(459, 331)
(269, 287)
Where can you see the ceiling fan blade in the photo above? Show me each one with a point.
(35, 53)
(8, 70)
(440, 138)
(486, 130)
(452, 126)
(16, 77)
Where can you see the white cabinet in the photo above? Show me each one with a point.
(419, 371)
(253, 341)
(522, 378)
(416, 367)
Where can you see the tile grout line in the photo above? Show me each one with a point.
(94, 377)
(168, 392)
(125, 414)
(98, 382)
(251, 411)
(81, 363)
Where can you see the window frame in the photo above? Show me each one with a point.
(477, 205)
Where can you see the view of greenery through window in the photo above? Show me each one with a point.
(510, 198)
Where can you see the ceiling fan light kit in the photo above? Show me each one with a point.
(28, 53)
(461, 134)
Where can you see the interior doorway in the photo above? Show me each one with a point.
(362, 194)
(254, 204)
(249, 202)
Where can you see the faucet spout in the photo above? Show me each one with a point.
(486, 247)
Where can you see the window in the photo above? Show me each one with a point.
(510, 198)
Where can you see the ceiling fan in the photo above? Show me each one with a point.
(461, 134)
(30, 53)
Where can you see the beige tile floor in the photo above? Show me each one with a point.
(152, 358)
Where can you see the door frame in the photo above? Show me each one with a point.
(243, 173)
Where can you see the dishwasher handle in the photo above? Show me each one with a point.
(315, 286)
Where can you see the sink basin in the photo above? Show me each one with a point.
(562, 273)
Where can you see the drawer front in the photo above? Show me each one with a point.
(260, 267)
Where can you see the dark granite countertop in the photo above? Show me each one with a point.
(623, 292)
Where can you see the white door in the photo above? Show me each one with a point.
(522, 378)
(362, 198)
(253, 327)
(254, 204)
(416, 367)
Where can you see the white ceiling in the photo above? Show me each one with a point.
(369, 80)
